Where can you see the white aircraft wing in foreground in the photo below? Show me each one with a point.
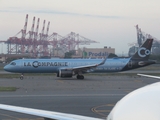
(141, 104)
(47, 115)
(151, 76)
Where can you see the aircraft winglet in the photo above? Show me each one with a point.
(103, 61)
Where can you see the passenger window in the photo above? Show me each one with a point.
(13, 63)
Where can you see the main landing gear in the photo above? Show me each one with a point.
(21, 77)
(80, 77)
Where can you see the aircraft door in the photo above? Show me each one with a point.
(21, 63)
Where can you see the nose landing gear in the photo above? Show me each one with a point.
(21, 77)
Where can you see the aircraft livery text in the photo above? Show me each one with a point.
(36, 64)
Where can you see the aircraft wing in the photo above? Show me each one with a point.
(151, 76)
(86, 67)
(47, 115)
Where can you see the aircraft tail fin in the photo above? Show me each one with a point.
(144, 51)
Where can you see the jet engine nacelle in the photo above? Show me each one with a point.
(65, 73)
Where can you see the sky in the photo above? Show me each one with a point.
(109, 22)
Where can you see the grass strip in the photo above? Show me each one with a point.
(7, 89)
(27, 74)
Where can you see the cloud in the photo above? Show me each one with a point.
(20, 10)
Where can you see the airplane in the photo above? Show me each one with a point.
(140, 104)
(71, 67)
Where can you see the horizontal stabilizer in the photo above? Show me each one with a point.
(150, 76)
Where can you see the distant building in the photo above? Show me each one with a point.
(5, 57)
(97, 52)
(2, 59)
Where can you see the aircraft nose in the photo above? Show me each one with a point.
(6, 68)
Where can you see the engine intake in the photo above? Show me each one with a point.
(65, 73)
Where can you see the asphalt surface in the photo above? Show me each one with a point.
(94, 96)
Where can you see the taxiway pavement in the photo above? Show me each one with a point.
(94, 96)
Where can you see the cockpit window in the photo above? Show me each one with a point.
(13, 63)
